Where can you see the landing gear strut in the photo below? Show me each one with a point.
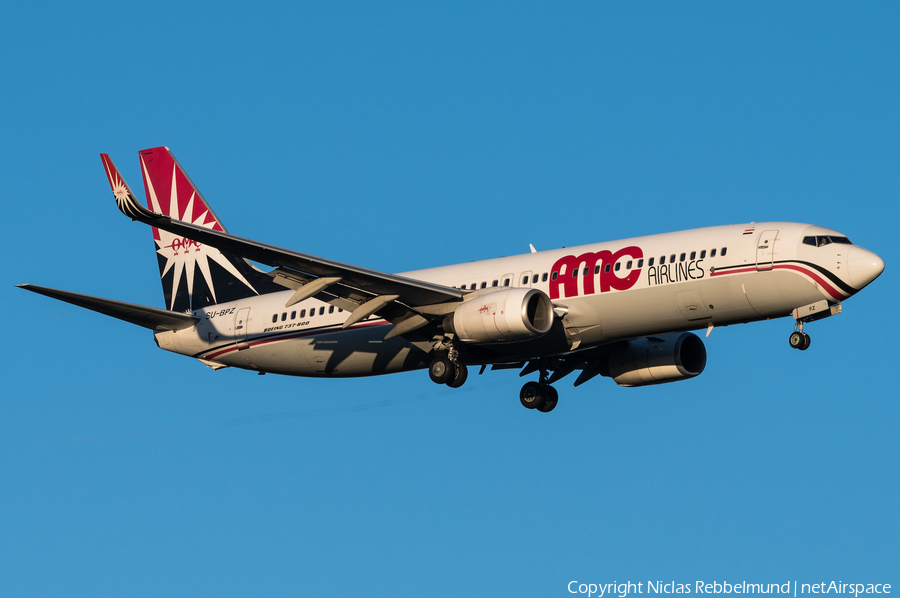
(539, 395)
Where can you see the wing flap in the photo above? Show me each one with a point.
(148, 317)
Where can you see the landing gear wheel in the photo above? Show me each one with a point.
(552, 399)
(533, 395)
(461, 373)
(796, 340)
(806, 342)
(441, 369)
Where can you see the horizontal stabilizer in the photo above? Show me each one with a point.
(148, 317)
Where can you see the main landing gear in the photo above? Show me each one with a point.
(542, 397)
(446, 369)
(539, 395)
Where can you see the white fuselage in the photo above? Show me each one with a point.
(603, 293)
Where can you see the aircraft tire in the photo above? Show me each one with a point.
(806, 342)
(796, 340)
(551, 401)
(461, 373)
(533, 395)
(441, 369)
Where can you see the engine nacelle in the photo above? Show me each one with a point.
(503, 316)
(658, 359)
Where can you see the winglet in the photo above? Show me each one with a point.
(125, 199)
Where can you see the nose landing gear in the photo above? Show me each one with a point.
(810, 313)
(799, 340)
(446, 369)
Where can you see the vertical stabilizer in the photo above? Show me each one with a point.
(193, 275)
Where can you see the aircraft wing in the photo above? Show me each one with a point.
(361, 291)
(148, 317)
(414, 292)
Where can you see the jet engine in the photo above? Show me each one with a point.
(657, 360)
(503, 316)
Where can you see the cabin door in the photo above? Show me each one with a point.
(765, 250)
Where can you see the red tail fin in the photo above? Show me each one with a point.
(171, 192)
(193, 275)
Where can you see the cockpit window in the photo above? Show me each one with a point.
(823, 240)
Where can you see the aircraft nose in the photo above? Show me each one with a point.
(863, 266)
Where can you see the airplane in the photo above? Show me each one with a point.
(621, 309)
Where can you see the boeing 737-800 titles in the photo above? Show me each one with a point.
(621, 309)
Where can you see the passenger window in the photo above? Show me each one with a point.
(495, 283)
(331, 309)
(702, 254)
(597, 269)
(575, 273)
(293, 315)
(472, 286)
(662, 260)
(274, 318)
(606, 269)
(693, 255)
(483, 284)
(506, 282)
(284, 316)
(322, 311)
(586, 271)
(544, 277)
(724, 251)
(672, 259)
(312, 312)
(650, 263)
(340, 309)
(554, 275)
(302, 313)
(641, 263)
(617, 266)
(524, 280)
(535, 278)
(628, 265)
(712, 253)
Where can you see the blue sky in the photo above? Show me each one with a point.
(403, 136)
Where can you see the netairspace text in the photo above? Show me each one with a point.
(791, 588)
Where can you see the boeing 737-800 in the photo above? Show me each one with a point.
(621, 309)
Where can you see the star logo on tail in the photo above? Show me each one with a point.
(185, 255)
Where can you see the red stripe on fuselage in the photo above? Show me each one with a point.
(836, 294)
